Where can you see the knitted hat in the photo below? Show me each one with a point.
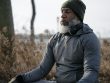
(77, 6)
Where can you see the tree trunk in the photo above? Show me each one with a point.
(6, 24)
(6, 39)
(32, 37)
(6, 19)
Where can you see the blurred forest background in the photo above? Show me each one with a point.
(22, 52)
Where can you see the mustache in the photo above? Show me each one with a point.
(65, 23)
(69, 23)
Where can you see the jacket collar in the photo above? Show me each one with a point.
(79, 29)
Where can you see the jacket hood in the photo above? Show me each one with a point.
(84, 30)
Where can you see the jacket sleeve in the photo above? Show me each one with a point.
(43, 69)
(91, 59)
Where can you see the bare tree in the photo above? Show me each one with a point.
(32, 37)
(6, 22)
(47, 32)
(6, 19)
(6, 34)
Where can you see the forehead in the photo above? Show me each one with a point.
(66, 9)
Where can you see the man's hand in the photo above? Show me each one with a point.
(13, 80)
(17, 79)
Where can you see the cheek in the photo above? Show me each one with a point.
(70, 18)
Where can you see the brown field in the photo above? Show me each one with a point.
(26, 56)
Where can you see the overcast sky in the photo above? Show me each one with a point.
(97, 15)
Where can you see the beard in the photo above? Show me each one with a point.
(65, 27)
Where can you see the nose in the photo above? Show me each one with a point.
(63, 15)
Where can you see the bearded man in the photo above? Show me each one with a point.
(75, 49)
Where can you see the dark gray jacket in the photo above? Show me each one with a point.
(77, 58)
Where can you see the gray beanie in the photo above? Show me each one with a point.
(77, 6)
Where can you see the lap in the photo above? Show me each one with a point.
(45, 81)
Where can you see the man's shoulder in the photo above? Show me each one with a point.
(90, 35)
(54, 38)
(89, 38)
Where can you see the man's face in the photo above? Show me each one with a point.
(67, 16)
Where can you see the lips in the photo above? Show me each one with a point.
(63, 22)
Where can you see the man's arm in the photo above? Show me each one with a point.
(91, 59)
(42, 70)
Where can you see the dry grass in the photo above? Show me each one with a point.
(105, 63)
(6, 60)
(26, 56)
